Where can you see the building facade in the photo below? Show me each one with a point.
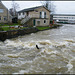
(5, 17)
(36, 16)
(64, 18)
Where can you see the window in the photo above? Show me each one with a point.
(1, 10)
(23, 13)
(40, 14)
(44, 21)
(5, 18)
(0, 17)
(44, 14)
(19, 13)
(27, 13)
(38, 22)
(36, 11)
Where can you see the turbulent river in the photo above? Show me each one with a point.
(55, 56)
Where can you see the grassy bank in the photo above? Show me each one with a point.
(47, 27)
(8, 34)
(12, 24)
(40, 28)
(8, 28)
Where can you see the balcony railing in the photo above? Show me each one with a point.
(37, 16)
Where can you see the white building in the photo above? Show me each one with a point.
(64, 18)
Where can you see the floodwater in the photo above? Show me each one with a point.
(55, 56)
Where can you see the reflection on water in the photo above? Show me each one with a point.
(55, 56)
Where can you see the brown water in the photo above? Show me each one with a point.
(55, 56)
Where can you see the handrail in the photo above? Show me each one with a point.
(25, 19)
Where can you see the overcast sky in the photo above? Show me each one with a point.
(62, 7)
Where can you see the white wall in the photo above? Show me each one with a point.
(64, 17)
(21, 15)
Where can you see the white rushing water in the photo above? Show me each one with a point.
(55, 56)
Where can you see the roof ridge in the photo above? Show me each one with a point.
(28, 9)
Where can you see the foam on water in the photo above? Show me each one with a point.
(48, 55)
(55, 56)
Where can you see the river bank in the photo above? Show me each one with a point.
(20, 32)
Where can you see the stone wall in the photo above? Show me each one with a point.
(15, 33)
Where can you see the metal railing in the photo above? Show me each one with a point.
(25, 19)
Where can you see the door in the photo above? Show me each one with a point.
(34, 22)
(27, 13)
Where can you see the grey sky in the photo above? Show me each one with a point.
(62, 7)
(66, 7)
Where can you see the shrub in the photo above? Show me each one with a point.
(1, 29)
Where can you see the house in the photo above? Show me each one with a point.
(36, 16)
(5, 17)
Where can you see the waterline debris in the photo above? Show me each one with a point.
(37, 47)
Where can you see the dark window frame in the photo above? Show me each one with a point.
(40, 14)
(44, 14)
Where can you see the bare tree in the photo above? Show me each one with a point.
(13, 10)
(49, 5)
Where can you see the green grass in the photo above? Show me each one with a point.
(13, 24)
(47, 27)
(42, 28)
(7, 28)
